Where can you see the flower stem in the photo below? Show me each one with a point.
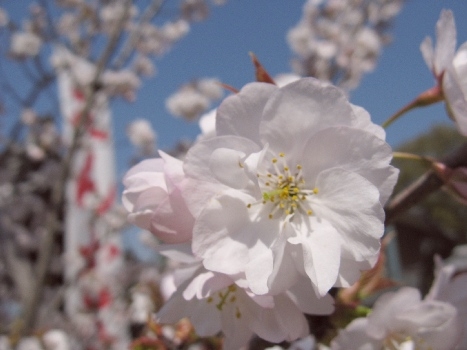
(430, 96)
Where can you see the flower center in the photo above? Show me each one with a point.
(396, 341)
(285, 189)
(223, 297)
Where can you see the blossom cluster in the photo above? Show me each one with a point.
(341, 40)
(270, 213)
(194, 98)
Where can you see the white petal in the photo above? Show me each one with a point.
(363, 121)
(284, 274)
(351, 204)
(426, 47)
(445, 41)
(304, 297)
(259, 268)
(456, 99)
(224, 232)
(240, 114)
(388, 307)
(300, 109)
(226, 166)
(292, 321)
(197, 161)
(205, 284)
(352, 149)
(172, 222)
(354, 337)
(321, 254)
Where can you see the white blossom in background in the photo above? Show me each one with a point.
(339, 41)
(402, 320)
(56, 339)
(3, 17)
(194, 10)
(449, 68)
(123, 83)
(285, 199)
(144, 66)
(450, 285)
(29, 343)
(211, 88)
(174, 31)
(25, 44)
(111, 14)
(142, 135)
(194, 98)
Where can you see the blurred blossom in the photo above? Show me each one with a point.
(123, 83)
(25, 44)
(112, 13)
(28, 116)
(3, 17)
(401, 320)
(339, 41)
(68, 25)
(194, 98)
(211, 88)
(174, 31)
(450, 285)
(144, 66)
(194, 10)
(187, 103)
(142, 135)
(56, 339)
(29, 343)
(141, 307)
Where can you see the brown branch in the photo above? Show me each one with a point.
(424, 186)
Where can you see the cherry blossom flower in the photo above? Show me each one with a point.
(339, 41)
(142, 135)
(449, 68)
(297, 179)
(154, 201)
(25, 44)
(401, 320)
(123, 82)
(187, 103)
(214, 302)
(450, 286)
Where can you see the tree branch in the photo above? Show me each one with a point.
(424, 186)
